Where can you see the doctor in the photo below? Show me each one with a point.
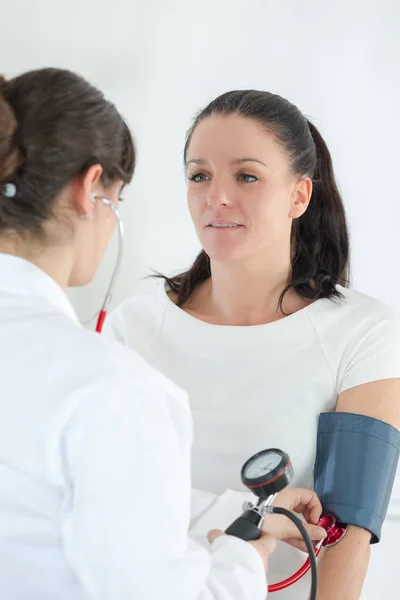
(94, 443)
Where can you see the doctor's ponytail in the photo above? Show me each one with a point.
(10, 156)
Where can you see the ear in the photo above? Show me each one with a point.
(301, 198)
(83, 189)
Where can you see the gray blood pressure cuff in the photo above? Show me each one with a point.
(355, 468)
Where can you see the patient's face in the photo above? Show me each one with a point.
(241, 192)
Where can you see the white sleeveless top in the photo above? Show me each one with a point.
(262, 386)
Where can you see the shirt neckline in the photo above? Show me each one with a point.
(191, 320)
(198, 338)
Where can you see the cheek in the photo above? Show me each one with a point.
(274, 206)
(196, 207)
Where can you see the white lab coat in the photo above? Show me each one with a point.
(94, 466)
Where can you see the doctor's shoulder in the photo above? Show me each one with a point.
(115, 369)
(137, 322)
(113, 394)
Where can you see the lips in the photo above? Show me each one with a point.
(223, 224)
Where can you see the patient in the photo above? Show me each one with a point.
(262, 330)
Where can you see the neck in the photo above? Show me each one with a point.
(241, 293)
(54, 261)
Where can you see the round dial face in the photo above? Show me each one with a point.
(263, 465)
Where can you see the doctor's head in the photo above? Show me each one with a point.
(62, 145)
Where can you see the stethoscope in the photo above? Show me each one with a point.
(266, 474)
(120, 226)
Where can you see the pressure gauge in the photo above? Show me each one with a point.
(267, 472)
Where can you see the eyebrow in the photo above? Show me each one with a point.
(237, 161)
(197, 161)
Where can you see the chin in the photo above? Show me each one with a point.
(225, 255)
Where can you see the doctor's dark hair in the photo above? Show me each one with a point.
(319, 239)
(54, 126)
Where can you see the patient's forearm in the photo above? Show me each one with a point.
(342, 568)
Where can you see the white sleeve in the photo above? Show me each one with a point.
(114, 327)
(137, 321)
(127, 457)
(375, 355)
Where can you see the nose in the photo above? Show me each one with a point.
(219, 194)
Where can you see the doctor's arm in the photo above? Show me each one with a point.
(128, 454)
(343, 568)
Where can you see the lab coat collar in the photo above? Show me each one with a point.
(20, 276)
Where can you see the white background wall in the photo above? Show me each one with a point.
(161, 61)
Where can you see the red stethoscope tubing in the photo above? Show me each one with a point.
(281, 585)
(100, 321)
(103, 312)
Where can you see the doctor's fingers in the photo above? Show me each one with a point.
(302, 501)
(284, 529)
(299, 544)
(214, 534)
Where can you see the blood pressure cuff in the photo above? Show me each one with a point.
(355, 467)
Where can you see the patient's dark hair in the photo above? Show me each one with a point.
(320, 240)
(54, 126)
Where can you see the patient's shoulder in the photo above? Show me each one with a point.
(138, 320)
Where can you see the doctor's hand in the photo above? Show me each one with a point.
(265, 545)
(304, 502)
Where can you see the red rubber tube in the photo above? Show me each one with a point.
(276, 587)
(100, 320)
